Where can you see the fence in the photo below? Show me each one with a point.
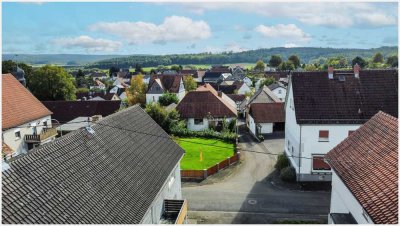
(203, 174)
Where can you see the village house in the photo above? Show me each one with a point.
(214, 77)
(263, 95)
(124, 169)
(161, 84)
(96, 96)
(26, 122)
(323, 108)
(220, 68)
(198, 76)
(365, 174)
(205, 108)
(240, 100)
(279, 90)
(97, 75)
(265, 118)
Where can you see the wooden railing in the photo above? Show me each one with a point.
(46, 133)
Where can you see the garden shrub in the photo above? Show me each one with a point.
(282, 162)
(288, 174)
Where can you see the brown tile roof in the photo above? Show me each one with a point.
(367, 162)
(267, 112)
(65, 111)
(199, 74)
(18, 104)
(320, 100)
(170, 83)
(237, 97)
(204, 101)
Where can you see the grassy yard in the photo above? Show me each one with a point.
(211, 155)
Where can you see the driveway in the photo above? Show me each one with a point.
(245, 195)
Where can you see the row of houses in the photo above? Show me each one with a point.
(118, 169)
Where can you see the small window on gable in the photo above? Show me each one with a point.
(318, 163)
(17, 134)
(198, 121)
(280, 91)
(45, 123)
(350, 132)
(323, 136)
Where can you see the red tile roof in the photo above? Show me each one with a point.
(18, 104)
(367, 162)
(267, 112)
(205, 101)
(6, 150)
(170, 83)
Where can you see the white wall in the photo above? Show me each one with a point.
(168, 191)
(281, 95)
(18, 145)
(343, 201)
(191, 126)
(292, 131)
(149, 98)
(181, 94)
(244, 89)
(311, 144)
(252, 124)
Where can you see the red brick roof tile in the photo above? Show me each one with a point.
(19, 105)
(367, 162)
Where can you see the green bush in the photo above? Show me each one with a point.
(282, 162)
(180, 130)
(168, 98)
(232, 126)
(288, 174)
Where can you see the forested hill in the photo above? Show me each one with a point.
(306, 54)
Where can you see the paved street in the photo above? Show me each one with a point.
(244, 195)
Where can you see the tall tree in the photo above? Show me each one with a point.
(260, 66)
(295, 60)
(360, 61)
(112, 70)
(52, 83)
(392, 61)
(80, 74)
(275, 61)
(138, 68)
(168, 98)
(267, 81)
(136, 93)
(378, 58)
(163, 118)
(189, 83)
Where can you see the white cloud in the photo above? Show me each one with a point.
(328, 14)
(283, 31)
(173, 28)
(290, 45)
(89, 44)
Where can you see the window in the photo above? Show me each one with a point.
(323, 136)
(17, 134)
(198, 121)
(292, 151)
(45, 123)
(318, 163)
(350, 132)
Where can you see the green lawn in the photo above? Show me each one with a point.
(211, 155)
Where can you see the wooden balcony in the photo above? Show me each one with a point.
(175, 211)
(39, 138)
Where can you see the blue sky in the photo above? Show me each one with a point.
(164, 28)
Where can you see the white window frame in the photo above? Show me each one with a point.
(312, 164)
(20, 135)
(323, 139)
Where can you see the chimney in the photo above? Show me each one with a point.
(330, 72)
(357, 70)
(220, 94)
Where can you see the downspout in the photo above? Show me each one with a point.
(298, 177)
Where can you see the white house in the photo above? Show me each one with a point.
(321, 109)
(365, 174)
(265, 118)
(165, 83)
(26, 122)
(279, 90)
(205, 108)
(233, 87)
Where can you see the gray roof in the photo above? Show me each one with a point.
(276, 85)
(109, 177)
(264, 95)
(75, 124)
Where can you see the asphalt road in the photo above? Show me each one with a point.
(245, 196)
